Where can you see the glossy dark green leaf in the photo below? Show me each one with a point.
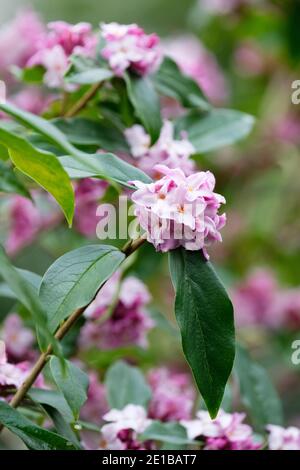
(42, 167)
(71, 381)
(35, 437)
(172, 433)
(87, 132)
(205, 317)
(126, 385)
(215, 129)
(33, 75)
(10, 183)
(73, 279)
(257, 391)
(105, 166)
(146, 103)
(171, 82)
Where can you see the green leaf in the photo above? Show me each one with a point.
(35, 437)
(29, 74)
(105, 166)
(27, 295)
(54, 399)
(87, 132)
(126, 384)
(9, 182)
(257, 391)
(205, 317)
(61, 425)
(171, 82)
(215, 129)
(32, 278)
(73, 279)
(71, 381)
(42, 167)
(172, 433)
(145, 101)
(88, 77)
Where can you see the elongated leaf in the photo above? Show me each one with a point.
(215, 129)
(33, 436)
(32, 278)
(73, 280)
(126, 384)
(27, 295)
(171, 82)
(106, 166)
(10, 183)
(39, 125)
(88, 77)
(61, 425)
(172, 433)
(145, 101)
(87, 132)
(42, 167)
(205, 317)
(53, 399)
(257, 391)
(72, 382)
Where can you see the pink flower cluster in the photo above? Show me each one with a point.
(123, 428)
(172, 395)
(10, 375)
(226, 432)
(283, 439)
(55, 47)
(128, 47)
(118, 316)
(197, 62)
(178, 210)
(88, 192)
(167, 150)
(19, 40)
(260, 301)
(19, 339)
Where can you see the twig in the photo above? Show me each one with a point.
(82, 102)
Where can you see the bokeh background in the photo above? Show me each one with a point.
(255, 50)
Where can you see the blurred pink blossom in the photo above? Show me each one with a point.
(174, 153)
(222, 7)
(283, 439)
(31, 99)
(88, 193)
(129, 47)
(172, 395)
(96, 405)
(10, 374)
(226, 432)
(179, 211)
(249, 59)
(287, 129)
(197, 62)
(19, 339)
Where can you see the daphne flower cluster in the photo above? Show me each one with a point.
(129, 47)
(54, 49)
(178, 210)
(283, 439)
(172, 395)
(118, 316)
(10, 375)
(197, 62)
(19, 339)
(174, 153)
(226, 432)
(259, 300)
(123, 428)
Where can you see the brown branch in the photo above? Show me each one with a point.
(82, 102)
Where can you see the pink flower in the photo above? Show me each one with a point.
(19, 339)
(123, 428)
(222, 7)
(10, 375)
(96, 405)
(172, 395)
(55, 48)
(253, 299)
(128, 47)
(167, 150)
(288, 129)
(283, 439)
(226, 432)
(249, 59)
(31, 99)
(128, 321)
(286, 308)
(88, 194)
(178, 210)
(19, 40)
(195, 61)
(25, 222)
